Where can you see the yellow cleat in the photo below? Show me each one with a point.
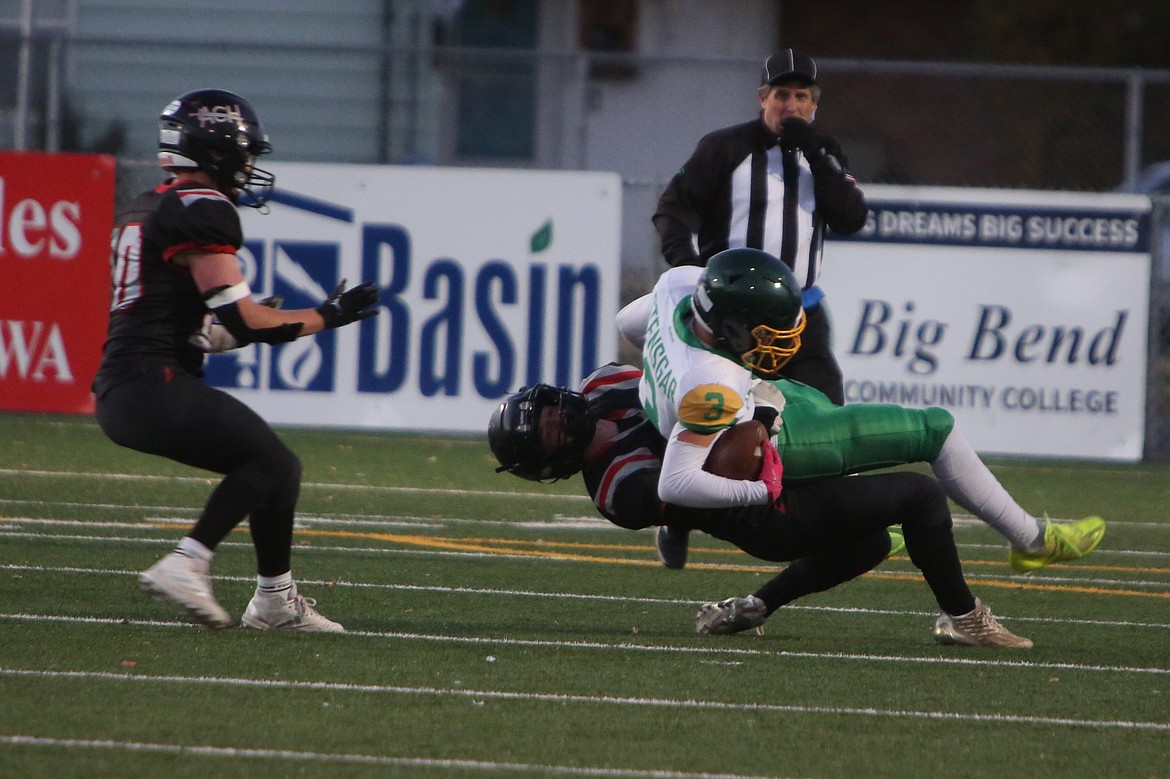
(1070, 541)
(897, 543)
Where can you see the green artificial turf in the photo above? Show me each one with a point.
(499, 628)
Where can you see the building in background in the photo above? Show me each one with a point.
(616, 85)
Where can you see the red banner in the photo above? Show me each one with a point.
(56, 212)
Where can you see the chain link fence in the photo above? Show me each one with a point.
(938, 124)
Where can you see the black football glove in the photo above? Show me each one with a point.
(345, 306)
(795, 133)
(768, 416)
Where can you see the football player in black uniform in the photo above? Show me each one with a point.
(832, 529)
(173, 264)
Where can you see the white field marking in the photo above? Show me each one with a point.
(95, 506)
(168, 513)
(204, 750)
(562, 698)
(409, 490)
(8, 533)
(8, 525)
(309, 484)
(558, 522)
(750, 564)
(147, 523)
(568, 596)
(718, 651)
(593, 521)
(11, 526)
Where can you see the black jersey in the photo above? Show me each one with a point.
(155, 306)
(623, 478)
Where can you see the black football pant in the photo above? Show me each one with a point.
(834, 530)
(175, 415)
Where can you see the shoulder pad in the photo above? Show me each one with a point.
(708, 408)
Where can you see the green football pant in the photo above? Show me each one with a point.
(819, 439)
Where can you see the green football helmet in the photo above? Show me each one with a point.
(750, 300)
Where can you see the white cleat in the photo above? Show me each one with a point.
(979, 628)
(274, 611)
(731, 615)
(184, 582)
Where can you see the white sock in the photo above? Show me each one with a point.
(272, 585)
(969, 483)
(189, 547)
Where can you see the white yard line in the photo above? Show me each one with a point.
(983, 661)
(204, 750)
(308, 484)
(8, 529)
(405, 490)
(478, 696)
(716, 649)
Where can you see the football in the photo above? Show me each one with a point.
(737, 454)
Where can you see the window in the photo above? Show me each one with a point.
(497, 95)
(609, 27)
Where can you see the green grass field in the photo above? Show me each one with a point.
(499, 628)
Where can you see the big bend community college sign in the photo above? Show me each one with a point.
(1023, 313)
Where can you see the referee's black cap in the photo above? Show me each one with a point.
(789, 65)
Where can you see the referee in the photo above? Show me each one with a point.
(773, 183)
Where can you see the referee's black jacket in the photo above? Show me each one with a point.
(735, 191)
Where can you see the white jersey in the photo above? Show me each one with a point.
(685, 385)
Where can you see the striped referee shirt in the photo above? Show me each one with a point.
(739, 189)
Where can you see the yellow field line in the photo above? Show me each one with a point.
(1012, 584)
(509, 546)
(705, 550)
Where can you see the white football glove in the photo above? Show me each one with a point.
(769, 398)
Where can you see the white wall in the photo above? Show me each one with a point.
(646, 126)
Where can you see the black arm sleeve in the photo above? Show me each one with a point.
(229, 315)
(675, 223)
(635, 500)
(687, 201)
(839, 199)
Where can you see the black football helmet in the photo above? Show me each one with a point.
(524, 447)
(219, 132)
(750, 300)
